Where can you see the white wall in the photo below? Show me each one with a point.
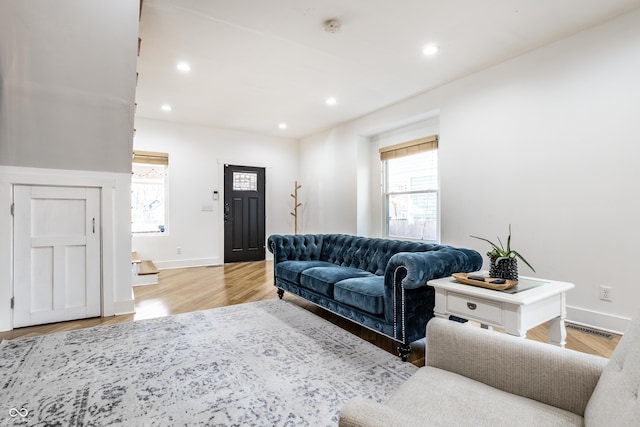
(67, 75)
(67, 85)
(197, 156)
(329, 173)
(547, 142)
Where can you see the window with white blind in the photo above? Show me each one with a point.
(411, 190)
(149, 192)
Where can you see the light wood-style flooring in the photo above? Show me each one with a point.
(200, 288)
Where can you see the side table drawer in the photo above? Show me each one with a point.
(474, 308)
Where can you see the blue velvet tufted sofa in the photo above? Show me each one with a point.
(378, 283)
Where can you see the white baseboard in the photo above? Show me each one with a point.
(124, 307)
(185, 263)
(593, 319)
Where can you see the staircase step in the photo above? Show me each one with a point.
(135, 259)
(147, 267)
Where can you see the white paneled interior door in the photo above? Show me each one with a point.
(56, 254)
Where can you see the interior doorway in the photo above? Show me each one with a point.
(244, 213)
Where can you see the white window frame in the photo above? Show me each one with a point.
(160, 160)
(386, 194)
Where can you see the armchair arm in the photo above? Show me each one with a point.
(546, 373)
(361, 412)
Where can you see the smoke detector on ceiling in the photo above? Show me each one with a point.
(332, 25)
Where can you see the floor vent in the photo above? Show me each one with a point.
(591, 331)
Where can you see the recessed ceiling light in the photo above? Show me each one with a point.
(183, 66)
(166, 107)
(282, 125)
(430, 49)
(331, 101)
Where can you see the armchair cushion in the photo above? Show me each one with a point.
(453, 400)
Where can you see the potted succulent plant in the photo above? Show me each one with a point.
(504, 260)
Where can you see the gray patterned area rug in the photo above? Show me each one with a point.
(267, 363)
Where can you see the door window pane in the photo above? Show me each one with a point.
(245, 181)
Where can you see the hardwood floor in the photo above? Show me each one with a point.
(200, 288)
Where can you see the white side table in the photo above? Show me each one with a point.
(531, 303)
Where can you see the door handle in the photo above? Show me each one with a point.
(226, 212)
(93, 225)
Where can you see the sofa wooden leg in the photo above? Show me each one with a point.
(280, 293)
(404, 350)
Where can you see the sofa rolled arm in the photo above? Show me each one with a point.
(543, 372)
(417, 268)
(298, 247)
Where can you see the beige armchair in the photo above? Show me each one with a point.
(474, 377)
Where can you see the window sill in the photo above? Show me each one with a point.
(149, 234)
(410, 239)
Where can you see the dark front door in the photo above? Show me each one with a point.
(244, 238)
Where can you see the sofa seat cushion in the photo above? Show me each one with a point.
(447, 399)
(290, 270)
(365, 293)
(323, 279)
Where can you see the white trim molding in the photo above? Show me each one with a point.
(187, 263)
(117, 294)
(597, 320)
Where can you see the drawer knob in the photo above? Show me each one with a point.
(471, 306)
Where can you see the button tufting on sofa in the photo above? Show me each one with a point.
(371, 281)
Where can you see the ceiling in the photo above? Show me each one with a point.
(256, 64)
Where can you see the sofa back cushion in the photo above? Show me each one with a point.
(615, 399)
(296, 247)
(366, 253)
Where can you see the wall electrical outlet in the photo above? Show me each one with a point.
(605, 293)
(179, 250)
